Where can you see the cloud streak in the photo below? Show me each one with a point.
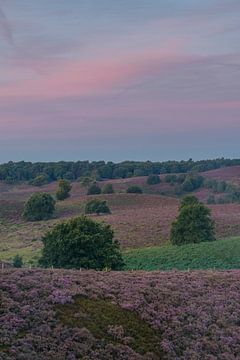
(5, 28)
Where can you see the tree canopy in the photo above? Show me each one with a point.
(193, 224)
(63, 190)
(40, 206)
(81, 243)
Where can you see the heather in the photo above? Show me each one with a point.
(66, 314)
(220, 254)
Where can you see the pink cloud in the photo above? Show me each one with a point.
(82, 78)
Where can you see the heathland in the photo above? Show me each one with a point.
(188, 311)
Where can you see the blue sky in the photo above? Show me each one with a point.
(119, 79)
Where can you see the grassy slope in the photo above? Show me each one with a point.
(221, 254)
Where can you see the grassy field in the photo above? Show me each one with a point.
(221, 254)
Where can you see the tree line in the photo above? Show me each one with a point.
(44, 172)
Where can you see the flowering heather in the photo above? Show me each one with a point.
(62, 314)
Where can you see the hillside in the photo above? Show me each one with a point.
(138, 220)
(231, 174)
(96, 315)
(220, 254)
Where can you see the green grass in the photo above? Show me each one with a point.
(220, 254)
(97, 315)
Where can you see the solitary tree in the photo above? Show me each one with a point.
(17, 261)
(108, 189)
(94, 190)
(40, 206)
(193, 224)
(39, 180)
(96, 206)
(63, 190)
(81, 243)
(153, 179)
(134, 189)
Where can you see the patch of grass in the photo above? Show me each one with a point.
(98, 315)
(221, 254)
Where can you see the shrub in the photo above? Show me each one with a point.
(63, 190)
(153, 179)
(97, 207)
(94, 190)
(170, 178)
(134, 189)
(193, 224)
(39, 180)
(192, 182)
(86, 181)
(108, 189)
(40, 206)
(17, 261)
(211, 199)
(81, 243)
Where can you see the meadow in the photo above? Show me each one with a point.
(220, 254)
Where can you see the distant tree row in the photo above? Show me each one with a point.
(39, 173)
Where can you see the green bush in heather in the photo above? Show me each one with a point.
(96, 206)
(134, 189)
(63, 190)
(193, 224)
(81, 243)
(40, 206)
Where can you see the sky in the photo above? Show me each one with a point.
(119, 80)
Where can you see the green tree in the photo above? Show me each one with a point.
(40, 206)
(96, 206)
(94, 189)
(108, 189)
(193, 224)
(81, 243)
(153, 179)
(17, 261)
(86, 181)
(40, 180)
(134, 189)
(63, 190)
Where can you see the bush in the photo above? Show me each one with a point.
(192, 182)
(193, 224)
(108, 189)
(97, 207)
(40, 180)
(94, 190)
(171, 178)
(153, 179)
(63, 190)
(17, 261)
(40, 206)
(134, 189)
(86, 181)
(211, 199)
(81, 243)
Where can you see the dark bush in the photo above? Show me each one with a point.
(94, 189)
(153, 179)
(17, 261)
(193, 224)
(40, 206)
(63, 190)
(81, 243)
(134, 189)
(108, 189)
(40, 180)
(96, 206)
